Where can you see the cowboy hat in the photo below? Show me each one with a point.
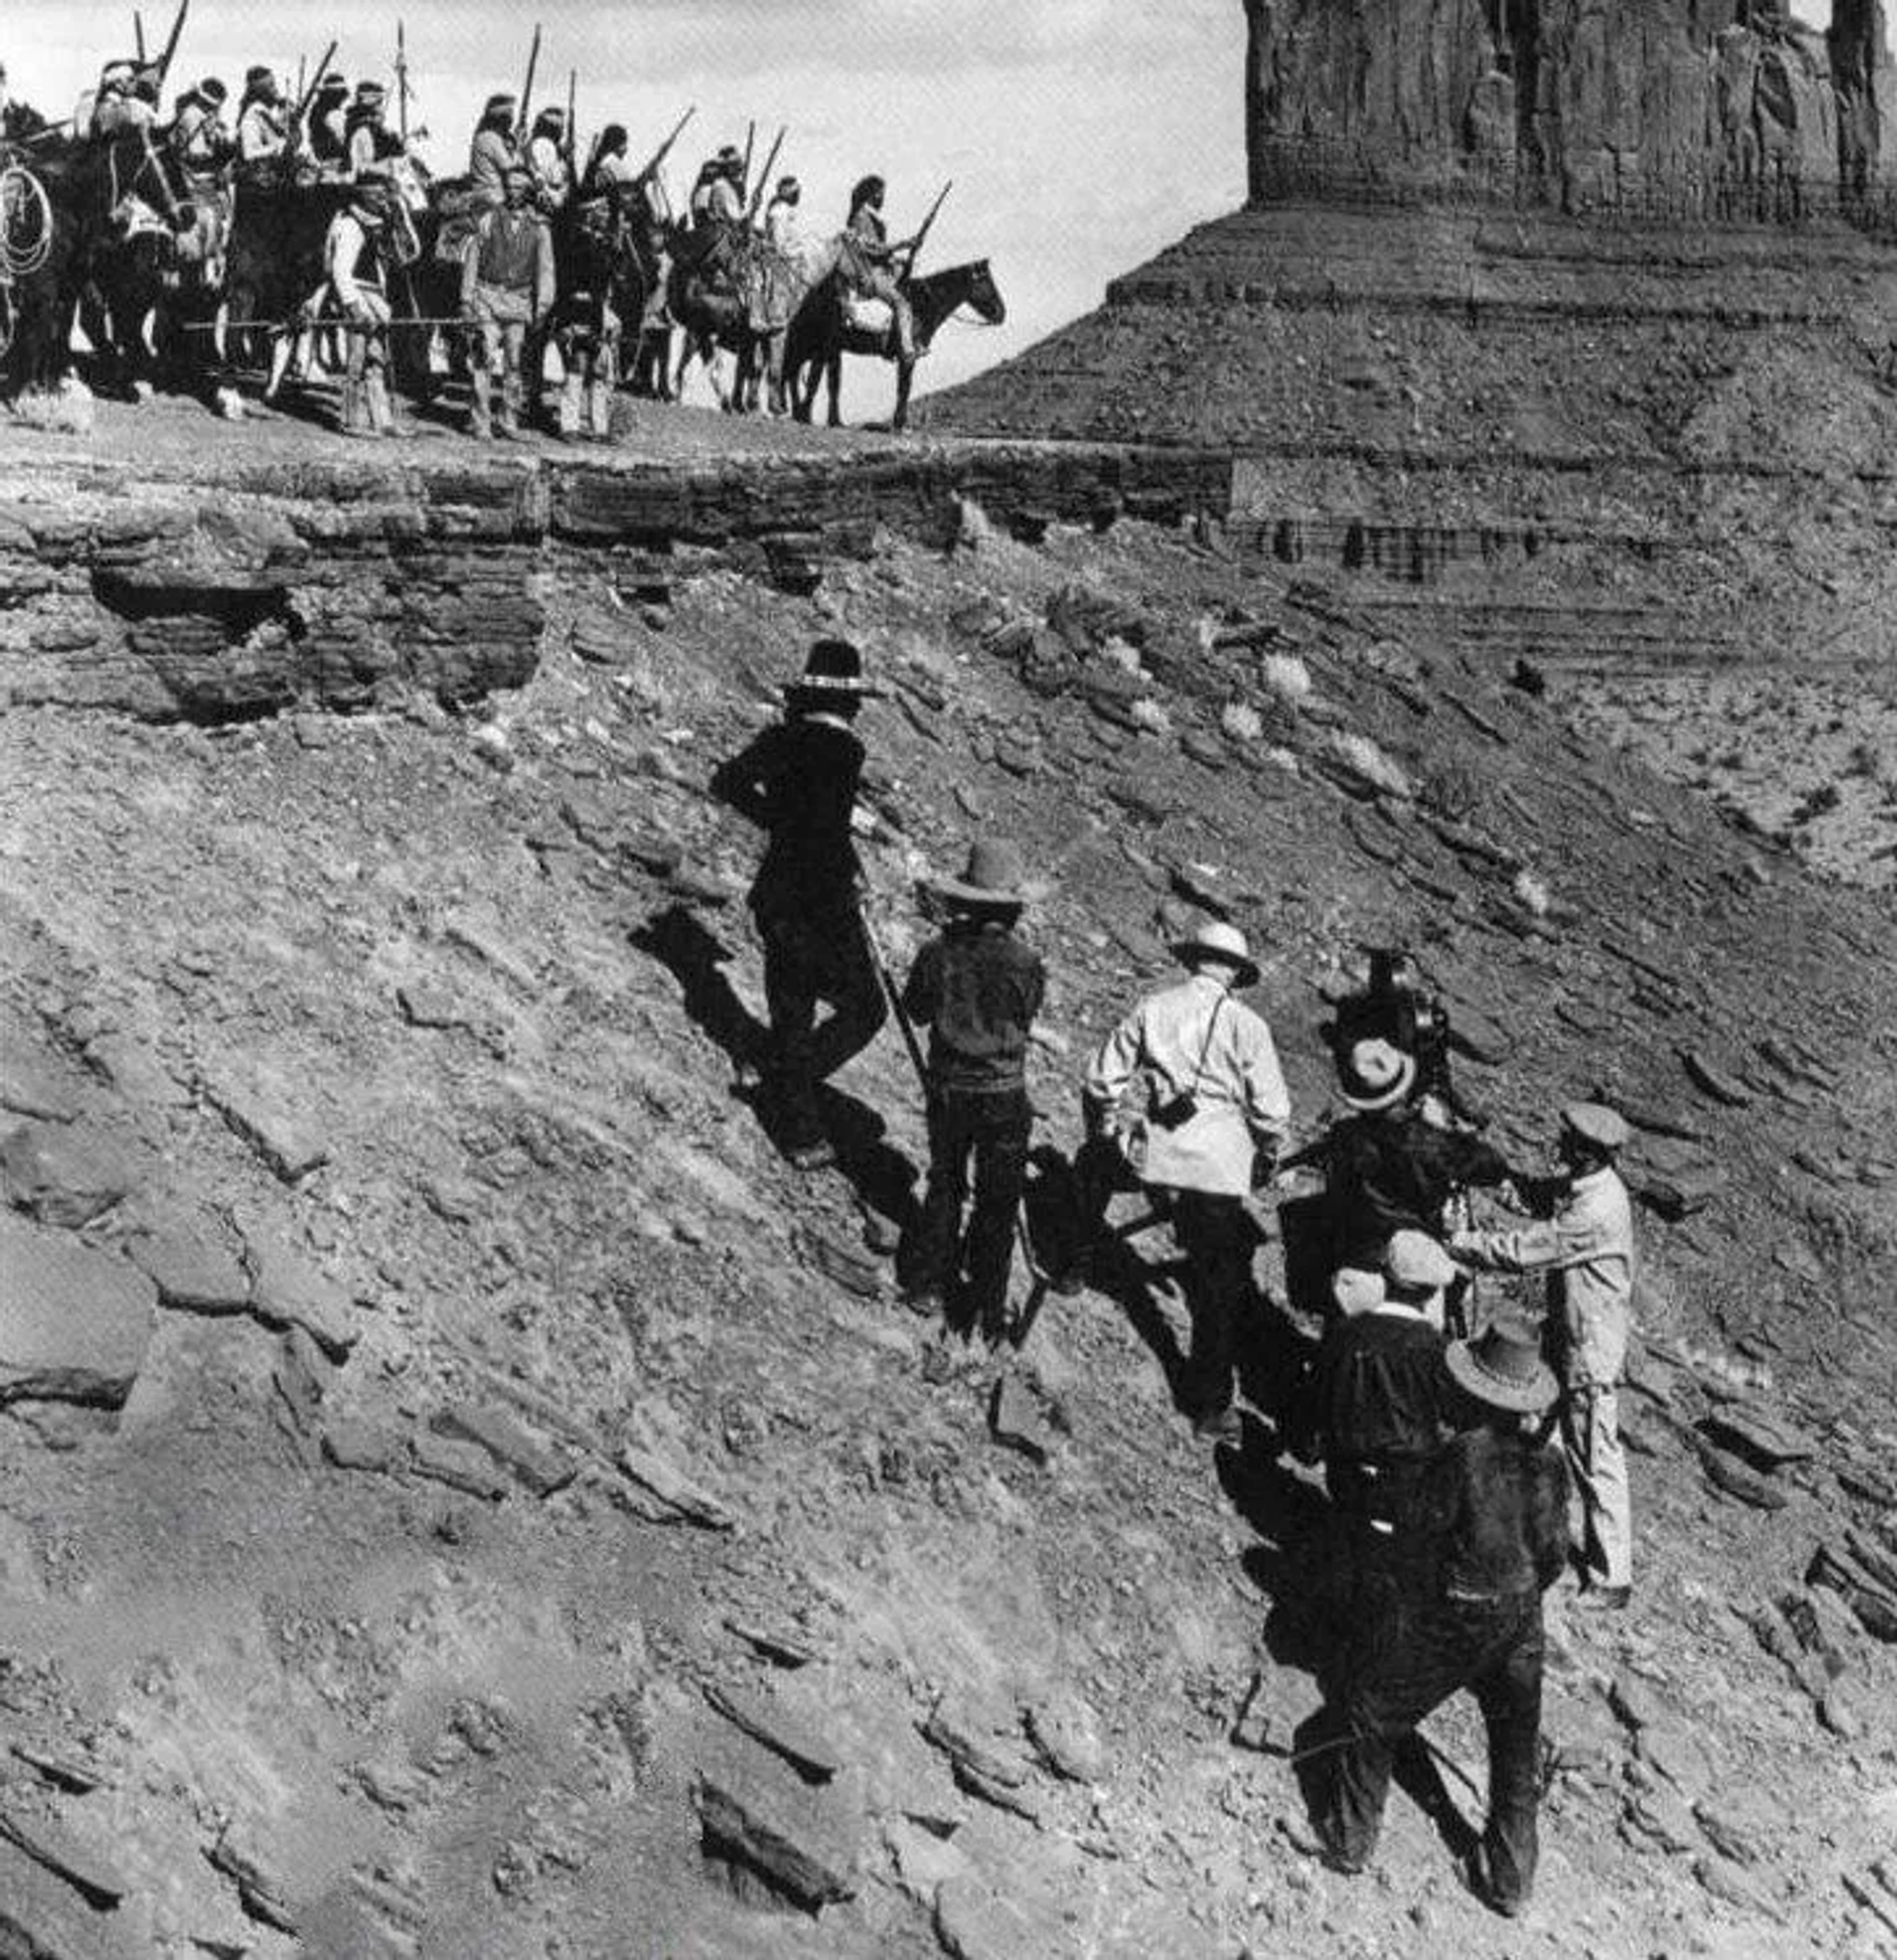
(993, 881)
(1216, 939)
(1504, 1368)
(832, 667)
(1375, 1075)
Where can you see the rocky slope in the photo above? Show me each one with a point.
(461, 1495)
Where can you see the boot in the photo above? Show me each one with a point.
(599, 398)
(571, 414)
(381, 411)
(481, 420)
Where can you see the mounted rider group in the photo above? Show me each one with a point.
(304, 229)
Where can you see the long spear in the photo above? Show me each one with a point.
(138, 35)
(750, 144)
(527, 88)
(171, 46)
(306, 96)
(401, 81)
(572, 111)
(764, 176)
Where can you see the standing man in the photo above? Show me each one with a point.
(879, 266)
(1215, 1105)
(1586, 1248)
(1467, 1615)
(355, 257)
(263, 121)
(977, 989)
(798, 781)
(507, 285)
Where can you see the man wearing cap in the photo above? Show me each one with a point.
(356, 258)
(1389, 1168)
(1586, 1248)
(507, 287)
(1213, 1098)
(1379, 1392)
(1492, 1507)
(977, 989)
(263, 121)
(493, 152)
(798, 782)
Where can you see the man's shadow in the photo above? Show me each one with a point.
(883, 1178)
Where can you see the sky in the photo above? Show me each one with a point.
(1081, 135)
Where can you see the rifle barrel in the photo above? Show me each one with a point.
(526, 88)
(139, 33)
(171, 46)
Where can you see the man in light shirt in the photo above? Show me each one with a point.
(1213, 1099)
(1586, 1248)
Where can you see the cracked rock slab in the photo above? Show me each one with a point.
(74, 1323)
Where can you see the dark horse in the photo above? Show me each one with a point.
(821, 334)
(35, 305)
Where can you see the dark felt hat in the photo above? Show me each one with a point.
(832, 667)
(1504, 1368)
(995, 879)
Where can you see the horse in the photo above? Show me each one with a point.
(718, 317)
(36, 273)
(821, 334)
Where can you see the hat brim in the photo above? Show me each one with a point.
(1528, 1398)
(829, 683)
(1384, 1099)
(978, 897)
(1247, 972)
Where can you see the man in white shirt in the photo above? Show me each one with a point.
(1213, 1098)
(1586, 1248)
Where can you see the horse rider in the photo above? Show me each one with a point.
(263, 117)
(610, 169)
(507, 288)
(546, 159)
(357, 260)
(493, 151)
(717, 199)
(326, 140)
(782, 223)
(126, 102)
(878, 267)
(370, 145)
(199, 142)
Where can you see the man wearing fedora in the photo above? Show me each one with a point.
(1389, 1167)
(1211, 1099)
(798, 782)
(977, 988)
(1586, 1248)
(1492, 1510)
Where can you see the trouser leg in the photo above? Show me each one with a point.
(929, 1258)
(512, 344)
(1215, 1235)
(1591, 1432)
(1509, 1692)
(791, 1003)
(1001, 1173)
(849, 982)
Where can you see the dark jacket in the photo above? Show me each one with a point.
(798, 781)
(1495, 1505)
(977, 988)
(1379, 1392)
(1393, 1171)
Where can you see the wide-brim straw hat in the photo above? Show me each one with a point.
(1375, 1075)
(1217, 939)
(1504, 1368)
(995, 879)
(832, 667)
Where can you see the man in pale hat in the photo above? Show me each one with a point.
(1493, 1504)
(1389, 1168)
(977, 988)
(1586, 1248)
(798, 782)
(1212, 1097)
(1379, 1392)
